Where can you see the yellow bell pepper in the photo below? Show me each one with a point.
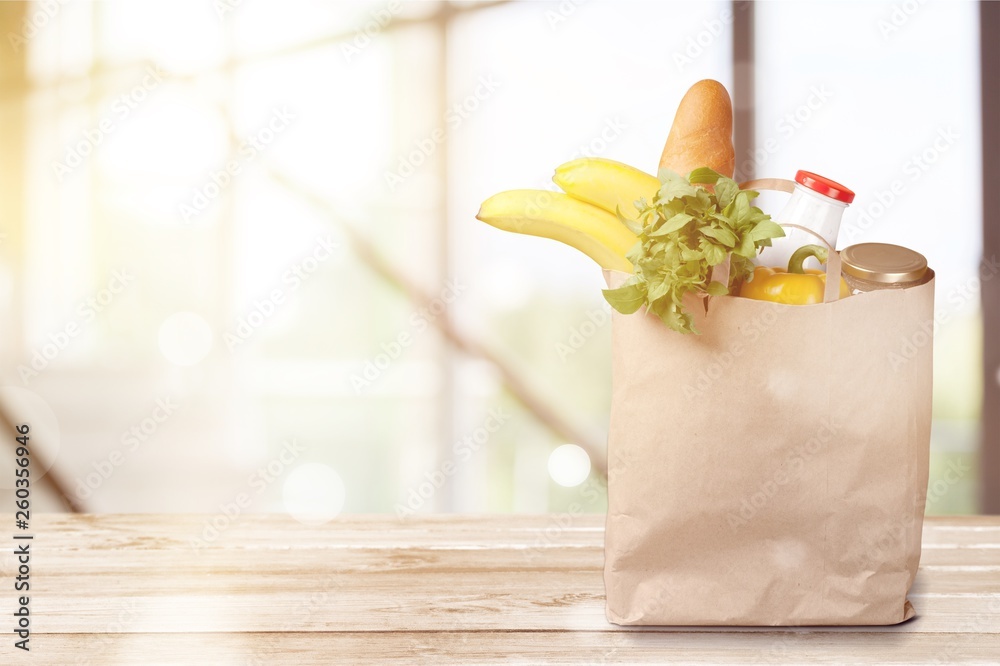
(796, 286)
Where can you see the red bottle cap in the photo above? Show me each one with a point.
(824, 186)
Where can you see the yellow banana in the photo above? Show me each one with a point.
(595, 232)
(606, 184)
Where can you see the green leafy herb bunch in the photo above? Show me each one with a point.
(683, 233)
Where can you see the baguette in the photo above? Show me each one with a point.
(702, 133)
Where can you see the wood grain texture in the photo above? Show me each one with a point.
(482, 647)
(128, 589)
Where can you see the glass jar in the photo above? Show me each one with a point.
(817, 203)
(873, 266)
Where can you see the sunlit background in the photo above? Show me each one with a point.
(241, 267)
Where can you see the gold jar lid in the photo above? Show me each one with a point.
(882, 262)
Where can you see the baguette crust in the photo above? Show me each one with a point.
(702, 133)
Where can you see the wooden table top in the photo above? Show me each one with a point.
(149, 589)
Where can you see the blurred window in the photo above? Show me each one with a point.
(196, 174)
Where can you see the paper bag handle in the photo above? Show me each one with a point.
(832, 291)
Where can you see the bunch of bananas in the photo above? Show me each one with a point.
(585, 216)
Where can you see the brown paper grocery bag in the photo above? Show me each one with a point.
(772, 470)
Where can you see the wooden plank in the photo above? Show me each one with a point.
(372, 574)
(141, 531)
(153, 564)
(534, 647)
(955, 535)
(316, 605)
